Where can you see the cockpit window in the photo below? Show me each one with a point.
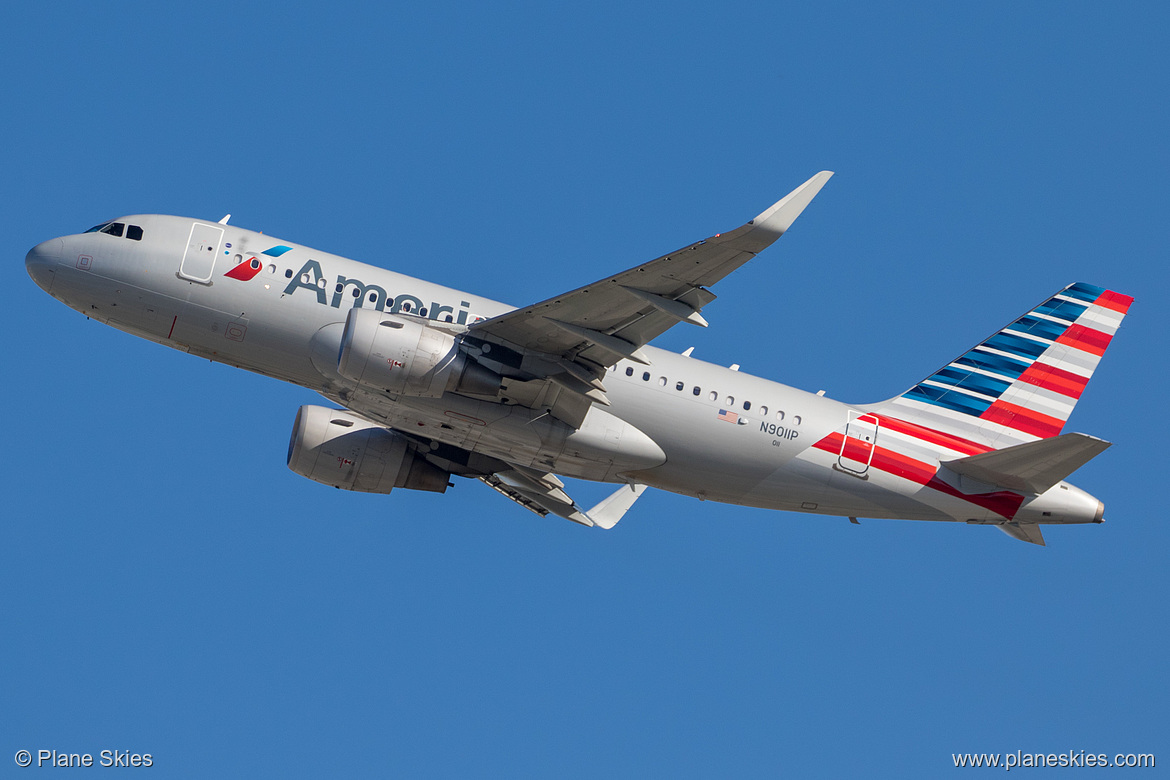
(132, 232)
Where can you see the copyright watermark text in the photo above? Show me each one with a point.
(104, 758)
(1070, 758)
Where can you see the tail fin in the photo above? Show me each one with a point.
(1021, 384)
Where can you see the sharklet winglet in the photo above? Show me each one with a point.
(607, 513)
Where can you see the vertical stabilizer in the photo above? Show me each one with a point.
(1021, 384)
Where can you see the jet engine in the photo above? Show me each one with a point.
(406, 357)
(337, 448)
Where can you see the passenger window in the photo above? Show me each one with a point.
(696, 391)
(747, 405)
(662, 381)
(713, 396)
(114, 229)
(679, 386)
(645, 376)
(288, 273)
(779, 415)
(134, 233)
(796, 419)
(763, 411)
(629, 370)
(730, 400)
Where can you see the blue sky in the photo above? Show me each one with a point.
(168, 586)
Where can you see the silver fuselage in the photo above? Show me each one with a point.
(285, 321)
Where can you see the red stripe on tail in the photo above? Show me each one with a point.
(950, 441)
(1086, 339)
(1002, 502)
(1114, 301)
(1022, 419)
(1055, 379)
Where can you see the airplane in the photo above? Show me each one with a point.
(434, 383)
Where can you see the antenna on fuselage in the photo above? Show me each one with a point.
(226, 217)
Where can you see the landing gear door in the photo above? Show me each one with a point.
(861, 433)
(202, 247)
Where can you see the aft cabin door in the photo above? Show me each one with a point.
(860, 439)
(202, 247)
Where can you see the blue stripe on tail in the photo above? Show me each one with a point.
(997, 364)
(949, 399)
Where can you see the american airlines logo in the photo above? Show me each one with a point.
(246, 271)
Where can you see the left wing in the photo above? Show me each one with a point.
(571, 339)
(543, 498)
(537, 491)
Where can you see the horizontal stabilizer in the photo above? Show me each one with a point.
(607, 513)
(1033, 467)
(1025, 532)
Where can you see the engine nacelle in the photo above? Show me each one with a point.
(337, 448)
(406, 357)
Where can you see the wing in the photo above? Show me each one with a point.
(571, 339)
(545, 495)
(539, 492)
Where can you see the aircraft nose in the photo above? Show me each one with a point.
(41, 261)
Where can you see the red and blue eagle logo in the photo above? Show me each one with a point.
(251, 264)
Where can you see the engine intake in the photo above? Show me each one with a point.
(406, 357)
(337, 448)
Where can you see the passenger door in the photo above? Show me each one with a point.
(860, 439)
(202, 247)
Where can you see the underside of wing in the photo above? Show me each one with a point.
(537, 491)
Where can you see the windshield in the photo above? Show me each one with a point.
(119, 229)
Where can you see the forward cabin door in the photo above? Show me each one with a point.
(860, 439)
(202, 247)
